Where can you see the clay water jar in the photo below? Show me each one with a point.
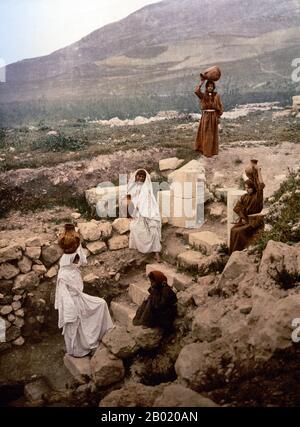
(211, 73)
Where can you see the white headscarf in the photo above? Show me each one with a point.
(143, 198)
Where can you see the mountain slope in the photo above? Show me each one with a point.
(159, 44)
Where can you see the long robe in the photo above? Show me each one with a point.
(145, 227)
(84, 319)
(241, 234)
(207, 141)
(159, 309)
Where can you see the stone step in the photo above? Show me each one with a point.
(197, 263)
(205, 241)
(138, 292)
(123, 312)
(179, 281)
(190, 260)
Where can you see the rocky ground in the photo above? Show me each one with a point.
(233, 332)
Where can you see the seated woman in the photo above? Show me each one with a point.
(145, 227)
(250, 203)
(159, 309)
(84, 319)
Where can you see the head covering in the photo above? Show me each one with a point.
(142, 197)
(157, 277)
(210, 82)
(69, 240)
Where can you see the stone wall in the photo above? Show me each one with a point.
(29, 266)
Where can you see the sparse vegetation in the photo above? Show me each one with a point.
(58, 143)
(284, 215)
(77, 203)
(2, 138)
(285, 279)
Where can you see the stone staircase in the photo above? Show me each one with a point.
(106, 366)
(179, 277)
(123, 310)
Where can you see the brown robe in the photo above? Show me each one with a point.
(160, 308)
(207, 141)
(241, 234)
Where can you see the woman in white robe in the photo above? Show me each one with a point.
(145, 227)
(84, 319)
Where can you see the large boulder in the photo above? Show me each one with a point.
(36, 390)
(118, 242)
(107, 369)
(25, 264)
(28, 281)
(39, 269)
(191, 363)
(52, 272)
(5, 310)
(90, 231)
(176, 395)
(35, 241)
(106, 229)
(10, 253)
(121, 225)
(195, 295)
(120, 342)
(271, 324)
(97, 248)
(239, 268)
(249, 341)
(51, 254)
(206, 324)
(132, 395)
(281, 262)
(79, 368)
(170, 164)
(146, 338)
(33, 252)
(8, 271)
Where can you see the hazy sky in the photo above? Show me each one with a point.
(30, 28)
